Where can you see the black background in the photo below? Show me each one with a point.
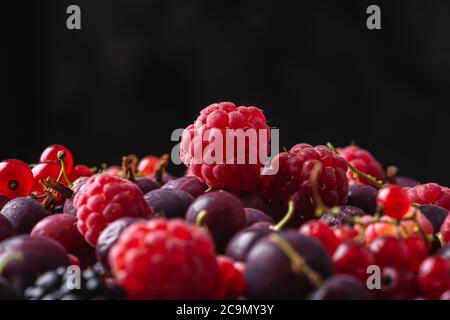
(140, 68)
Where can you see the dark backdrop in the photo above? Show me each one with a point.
(140, 68)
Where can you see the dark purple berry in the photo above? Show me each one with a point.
(24, 213)
(169, 203)
(190, 184)
(364, 197)
(341, 287)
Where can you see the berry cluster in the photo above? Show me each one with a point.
(317, 229)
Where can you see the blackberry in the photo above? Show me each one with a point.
(57, 285)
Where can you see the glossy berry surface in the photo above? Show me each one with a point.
(221, 213)
(106, 198)
(169, 203)
(242, 242)
(26, 257)
(163, 259)
(297, 170)
(286, 265)
(24, 213)
(52, 285)
(6, 228)
(345, 233)
(109, 237)
(232, 279)
(390, 252)
(353, 258)
(146, 185)
(363, 196)
(79, 171)
(434, 276)
(44, 170)
(435, 214)
(362, 160)
(16, 178)
(148, 165)
(63, 229)
(397, 284)
(218, 172)
(254, 215)
(50, 154)
(189, 184)
(430, 193)
(394, 201)
(321, 232)
(341, 287)
(445, 230)
(417, 251)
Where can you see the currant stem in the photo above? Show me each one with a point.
(200, 217)
(290, 213)
(372, 180)
(61, 157)
(129, 167)
(162, 165)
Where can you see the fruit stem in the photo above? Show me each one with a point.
(298, 264)
(288, 216)
(163, 162)
(61, 157)
(321, 208)
(14, 256)
(51, 183)
(129, 166)
(200, 217)
(372, 180)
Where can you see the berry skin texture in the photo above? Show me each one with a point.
(363, 161)
(165, 259)
(232, 278)
(394, 201)
(78, 171)
(50, 154)
(24, 214)
(434, 276)
(16, 178)
(148, 165)
(199, 140)
(104, 199)
(445, 230)
(430, 193)
(294, 174)
(321, 232)
(353, 258)
(390, 252)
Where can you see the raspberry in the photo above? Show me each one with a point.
(362, 160)
(430, 193)
(294, 174)
(232, 278)
(165, 259)
(445, 230)
(106, 198)
(234, 172)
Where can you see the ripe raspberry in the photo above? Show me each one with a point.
(445, 230)
(106, 198)
(430, 193)
(165, 259)
(294, 174)
(199, 142)
(362, 160)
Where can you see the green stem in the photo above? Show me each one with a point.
(199, 221)
(290, 213)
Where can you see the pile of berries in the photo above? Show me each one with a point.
(327, 224)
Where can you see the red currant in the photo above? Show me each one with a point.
(16, 179)
(353, 258)
(434, 276)
(398, 285)
(51, 154)
(345, 233)
(148, 165)
(389, 252)
(417, 252)
(321, 232)
(44, 170)
(394, 201)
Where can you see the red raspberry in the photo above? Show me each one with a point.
(445, 230)
(198, 147)
(294, 175)
(430, 193)
(165, 259)
(105, 198)
(362, 160)
(232, 278)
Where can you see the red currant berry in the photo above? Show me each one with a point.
(44, 170)
(16, 179)
(321, 232)
(434, 276)
(51, 154)
(353, 258)
(345, 233)
(417, 252)
(394, 201)
(389, 252)
(79, 171)
(148, 165)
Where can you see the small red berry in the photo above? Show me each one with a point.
(51, 154)
(232, 278)
(16, 178)
(345, 233)
(148, 165)
(394, 201)
(321, 232)
(389, 252)
(78, 171)
(354, 259)
(44, 170)
(417, 252)
(434, 276)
